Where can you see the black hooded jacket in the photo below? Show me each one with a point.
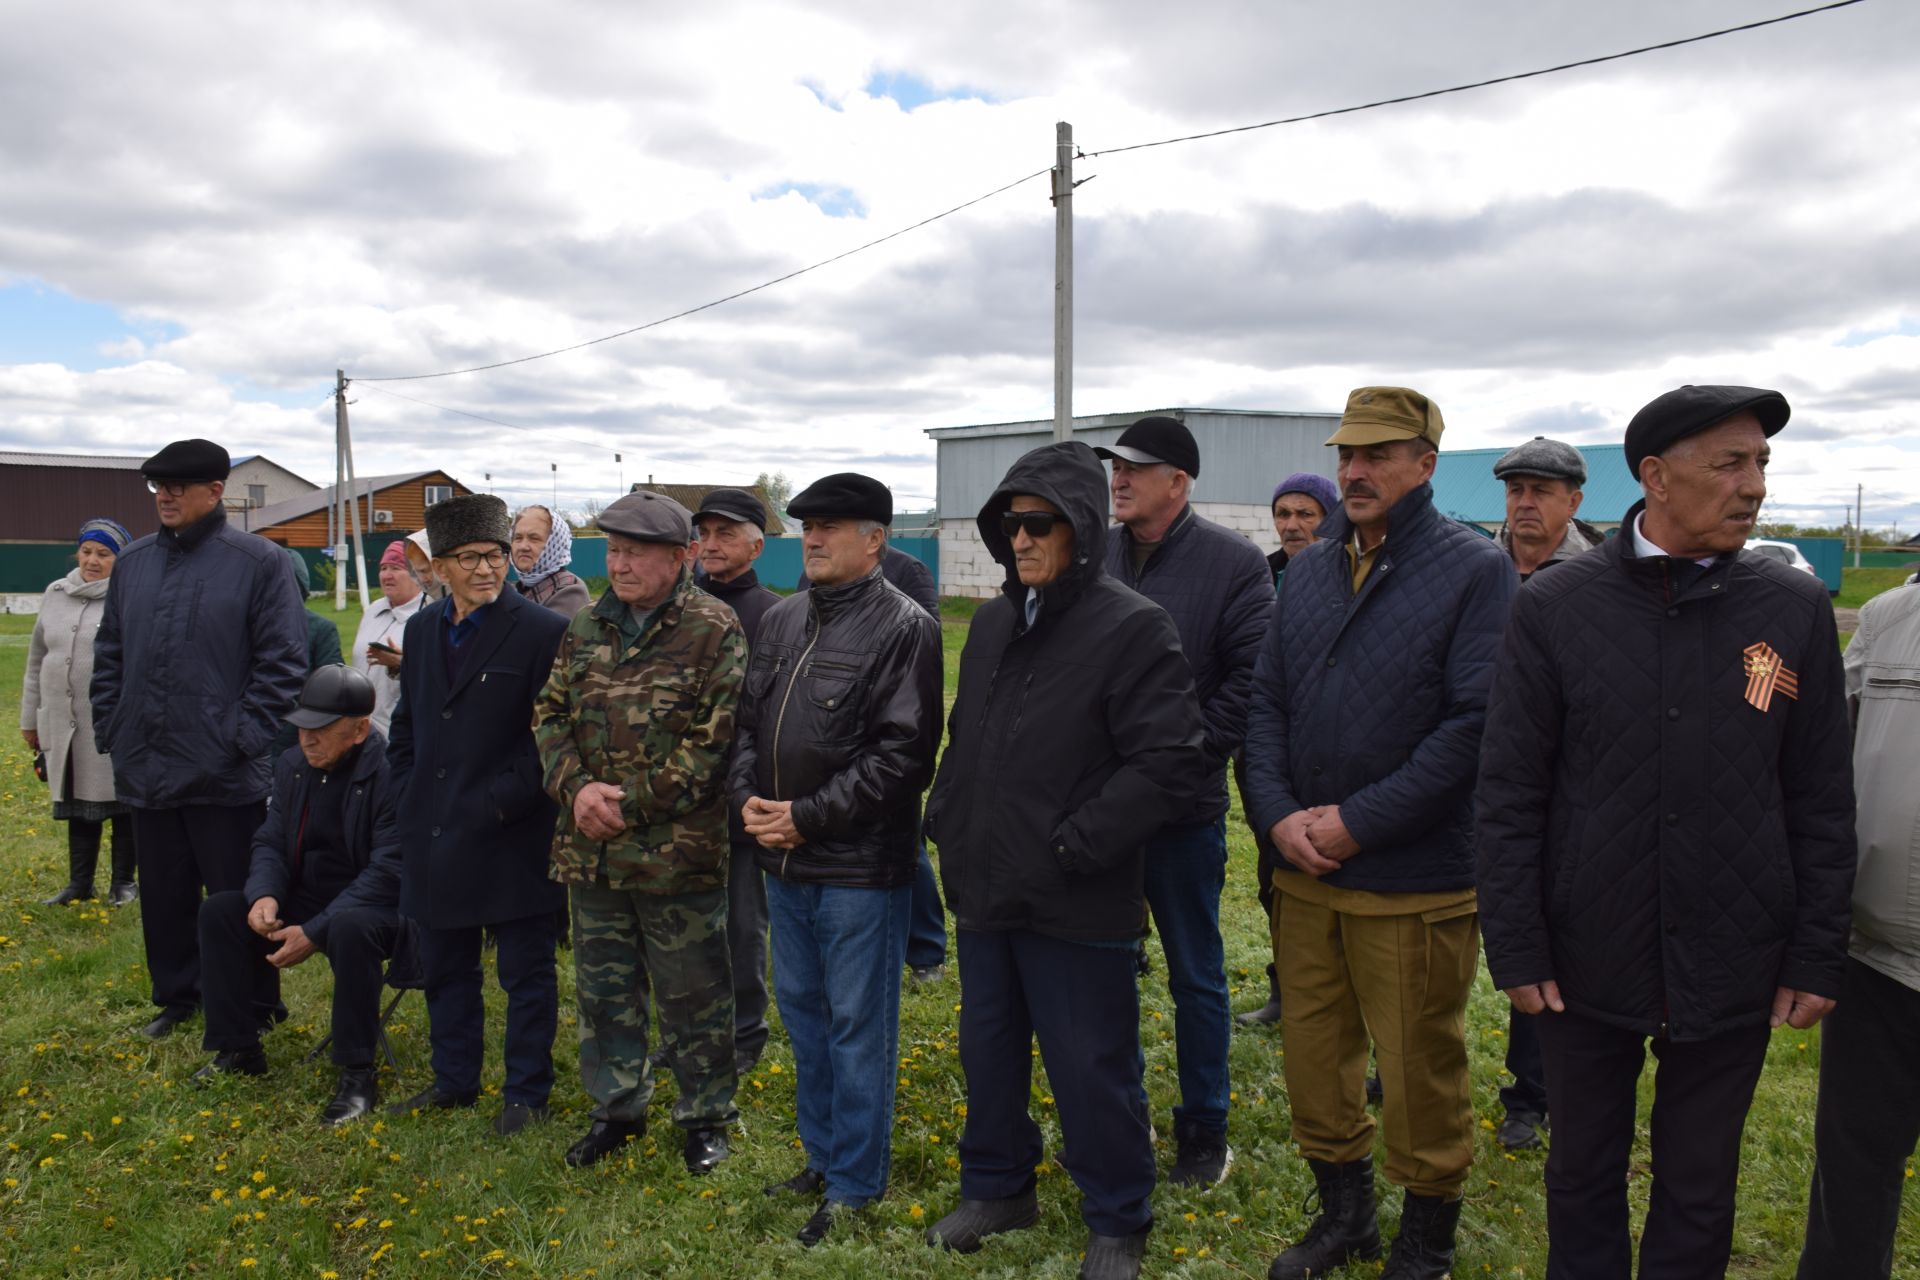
(1071, 741)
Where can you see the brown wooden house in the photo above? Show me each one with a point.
(389, 505)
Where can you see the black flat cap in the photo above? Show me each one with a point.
(648, 517)
(847, 494)
(332, 691)
(1543, 457)
(736, 505)
(189, 460)
(1667, 420)
(466, 518)
(1152, 440)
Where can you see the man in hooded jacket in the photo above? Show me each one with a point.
(1075, 735)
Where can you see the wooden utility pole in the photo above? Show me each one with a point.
(353, 488)
(1859, 521)
(1063, 282)
(340, 496)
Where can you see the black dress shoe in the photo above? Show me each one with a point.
(807, 1182)
(821, 1223)
(1520, 1131)
(429, 1099)
(163, 1024)
(602, 1140)
(356, 1095)
(233, 1062)
(705, 1148)
(121, 892)
(516, 1116)
(270, 1017)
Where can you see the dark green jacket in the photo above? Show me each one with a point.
(654, 718)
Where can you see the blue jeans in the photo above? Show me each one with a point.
(837, 955)
(1186, 870)
(927, 924)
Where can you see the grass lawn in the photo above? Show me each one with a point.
(113, 1165)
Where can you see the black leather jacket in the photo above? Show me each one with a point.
(842, 716)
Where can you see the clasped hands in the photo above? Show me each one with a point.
(771, 823)
(596, 810)
(263, 917)
(1315, 840)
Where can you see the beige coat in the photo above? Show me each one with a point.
(1883, 684)
(53, 696)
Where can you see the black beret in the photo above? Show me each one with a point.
(332, 691)
(1153, 440)
(736, 505)
(646, 516)
(468, 517)
(189, 460)
(847, 494)
(1667, 420)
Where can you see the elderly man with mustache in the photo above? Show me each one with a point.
(1363, 738)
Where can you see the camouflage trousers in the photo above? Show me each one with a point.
(625, 942)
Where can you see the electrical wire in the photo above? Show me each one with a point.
(1477, 84)
(542, 432)
(705, 306)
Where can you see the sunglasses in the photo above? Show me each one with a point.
(1038, 524)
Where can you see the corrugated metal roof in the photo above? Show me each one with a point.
(84, 461)
(1464, 487)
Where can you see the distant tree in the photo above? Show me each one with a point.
(778, 488)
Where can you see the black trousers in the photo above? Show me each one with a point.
(1528, 1092)
(182, 853)
(456, 1014)
(1083, 1004)
(747, 947)
(1865, 1126)
(1702, 1090)
(237, 974)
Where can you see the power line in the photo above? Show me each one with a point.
(1477, 84)
(680, 315)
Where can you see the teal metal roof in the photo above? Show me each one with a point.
(1464, 487)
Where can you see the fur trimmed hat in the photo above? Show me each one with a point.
(468, 517)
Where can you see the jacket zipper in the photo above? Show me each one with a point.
(780, 721)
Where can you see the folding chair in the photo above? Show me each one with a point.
(405, 972)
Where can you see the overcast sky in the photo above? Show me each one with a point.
(208, 208)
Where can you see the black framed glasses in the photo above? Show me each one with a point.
(1038, 524)
(470, 560)
(172, 488)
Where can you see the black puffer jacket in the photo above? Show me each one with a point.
(842, 716)
(1216, 587)
(1648, 838)
(1071, 741)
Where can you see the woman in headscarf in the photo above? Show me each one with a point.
(542, 549)
(419, 555)
(56, 717)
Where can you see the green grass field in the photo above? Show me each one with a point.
(113, 1165)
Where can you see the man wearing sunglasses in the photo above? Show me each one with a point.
(1075, 736)
(476, 822)
(202, 649)
(1216, 587)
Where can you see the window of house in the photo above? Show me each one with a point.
(256, 495)
(438, 493)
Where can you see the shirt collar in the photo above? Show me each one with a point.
(1033, 605)
(1643, 546)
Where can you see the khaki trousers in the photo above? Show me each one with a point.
(1402, 980)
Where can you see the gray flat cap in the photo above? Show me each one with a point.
(1543, 457)
(648, 517)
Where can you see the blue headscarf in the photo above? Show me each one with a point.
(110, 534)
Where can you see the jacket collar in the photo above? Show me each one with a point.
(747, 581)
(1408, 518)
(612, 610)
(1675, 579)
(827, 601)
(196, 533)
(1175, 531)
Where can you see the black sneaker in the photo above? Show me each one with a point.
(972, 1221)
(1520, 1131)
(1203, 1156)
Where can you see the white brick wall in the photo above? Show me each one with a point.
(967, 570)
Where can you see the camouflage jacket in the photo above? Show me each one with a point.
(656, 720)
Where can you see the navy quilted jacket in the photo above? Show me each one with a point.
(1375, 701)
(1650, 839)
(1215, 586)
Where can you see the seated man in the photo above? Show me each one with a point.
(325, 877)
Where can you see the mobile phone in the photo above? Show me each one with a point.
(384, 647)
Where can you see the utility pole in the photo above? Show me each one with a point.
(1063, 281)
(340, 496)
(351, 511)
(556, 489)
(1859, 521)
(621, 464)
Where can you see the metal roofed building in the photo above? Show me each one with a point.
(1244, 453)
(1464, 487)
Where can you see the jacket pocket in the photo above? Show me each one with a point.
(837, 693)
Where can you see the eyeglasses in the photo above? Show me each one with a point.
(1038, 524)
(470, 560)
(172, 488)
